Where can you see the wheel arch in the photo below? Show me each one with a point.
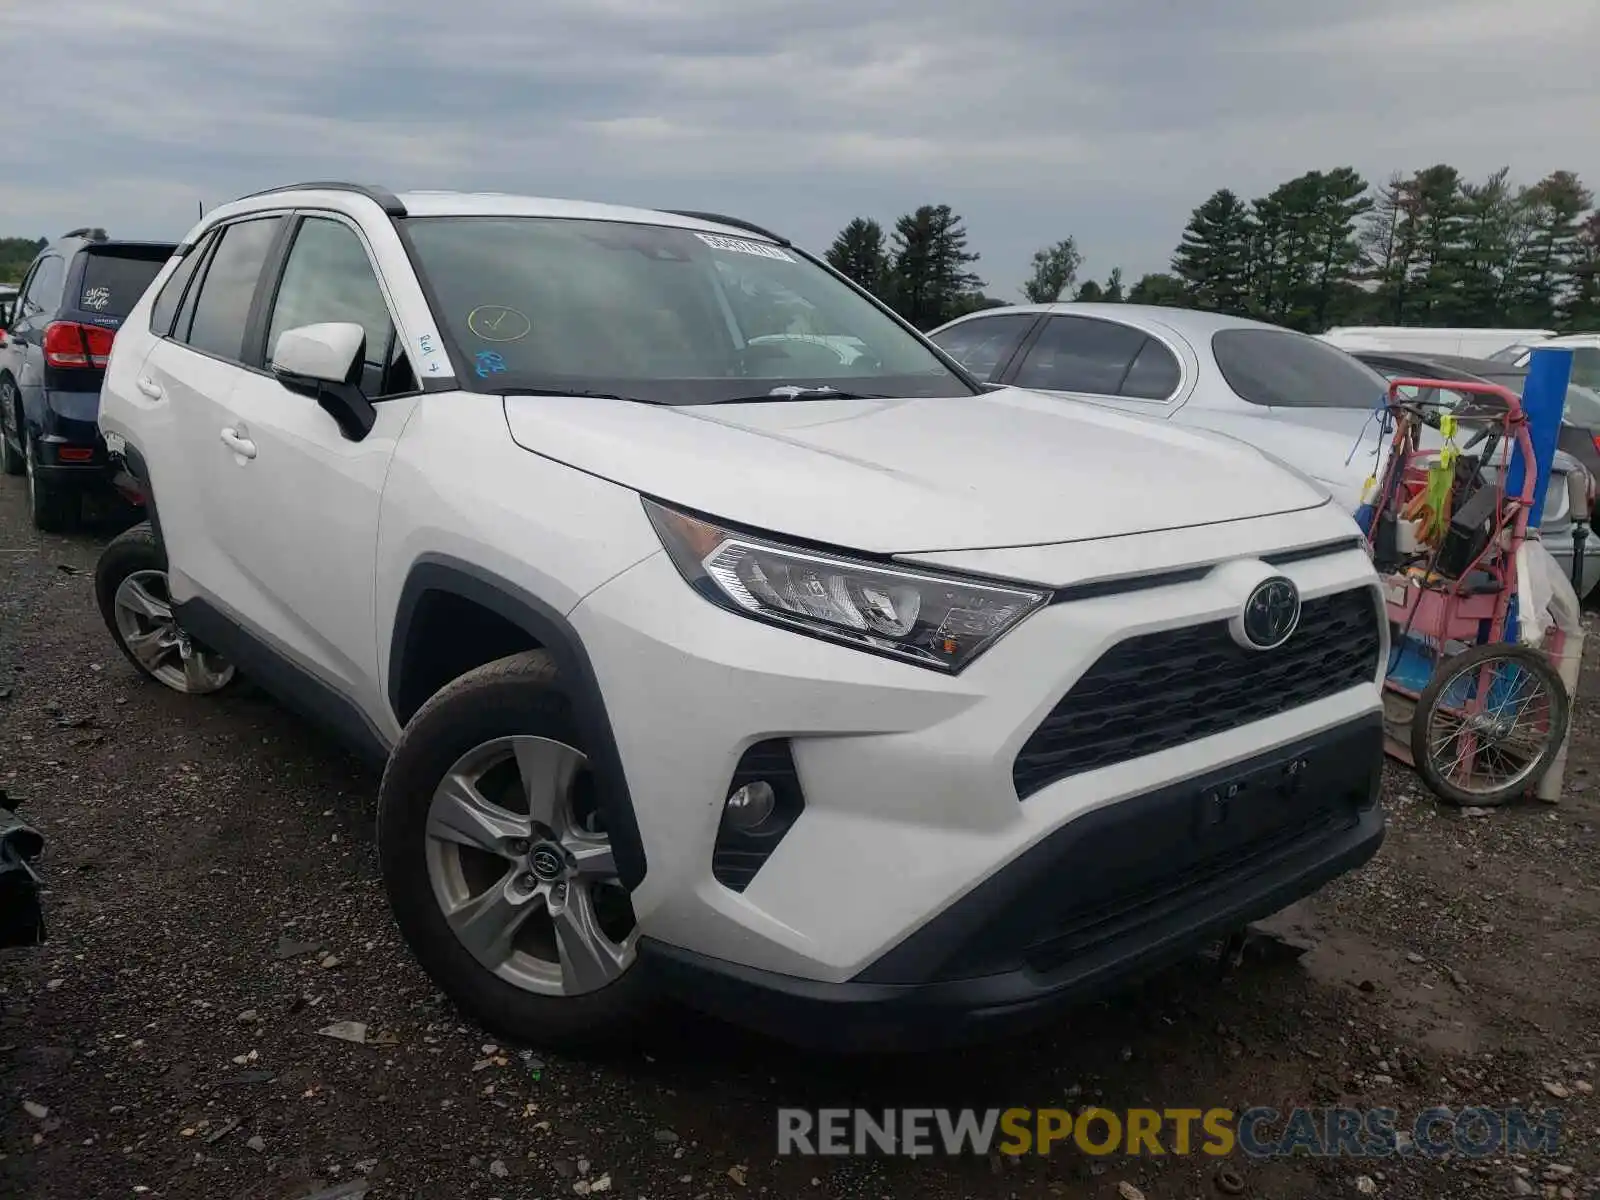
(439, 589)
(135, 465)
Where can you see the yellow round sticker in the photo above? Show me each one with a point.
(497, 323)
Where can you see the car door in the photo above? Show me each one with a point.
(985, 345)
(291, 503)
(1103, 362)
(182, 389)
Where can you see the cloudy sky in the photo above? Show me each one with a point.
(1033, 118)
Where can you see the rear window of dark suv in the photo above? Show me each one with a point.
(1281, 369)
(114, 279)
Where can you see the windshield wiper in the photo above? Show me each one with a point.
(527, 391)
(797, 393)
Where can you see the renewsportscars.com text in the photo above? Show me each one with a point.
(1259, 1132)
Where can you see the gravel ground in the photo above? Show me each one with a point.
(214, 902)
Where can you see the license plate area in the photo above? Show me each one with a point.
(1258, 800)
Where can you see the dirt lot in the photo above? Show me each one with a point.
(214, 902)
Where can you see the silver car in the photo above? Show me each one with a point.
(1291, 395)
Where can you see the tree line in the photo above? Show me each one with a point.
(1325, 248)
(15, 255)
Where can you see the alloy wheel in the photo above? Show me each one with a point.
(522, 869)
(145, 622)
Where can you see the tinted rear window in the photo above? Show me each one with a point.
(113, 283)
(1280, 369)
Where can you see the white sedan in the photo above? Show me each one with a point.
(1293, 396)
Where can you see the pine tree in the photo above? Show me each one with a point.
(931, 261)
(859, 253)
(1555, 207)
(1212, 259)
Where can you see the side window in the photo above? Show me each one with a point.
(328, 277)
(984, 345)
(1080, 354)
(229, 286)
(44, 290)
(165, 308)
(1154, 374)
(1586, 367)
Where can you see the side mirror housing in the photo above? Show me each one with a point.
(325, 362)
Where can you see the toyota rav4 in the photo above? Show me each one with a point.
(820, 688)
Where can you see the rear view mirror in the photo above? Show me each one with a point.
(325, 362)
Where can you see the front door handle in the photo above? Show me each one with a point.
(243, 447)
(149, 387)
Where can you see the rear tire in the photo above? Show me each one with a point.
(10, 409)
(532, 993)
(131, 590)
(52, 509)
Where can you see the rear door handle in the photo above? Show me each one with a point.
(149, 387)
(243, 447)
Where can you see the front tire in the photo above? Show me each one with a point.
(130, 585)
(497, 867)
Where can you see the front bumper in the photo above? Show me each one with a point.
(1112, 896)
(910, 800)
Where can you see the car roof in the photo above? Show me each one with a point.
(347, 197)
(1192, 323)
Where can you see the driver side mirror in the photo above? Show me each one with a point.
(325, 362)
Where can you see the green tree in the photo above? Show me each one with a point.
(1159, 288)
(1213, 257)
(933, 281)
(1114, 286)
(1303, 248)
(15, 255)
(1583, 305)
(1493, 245)
(1437, 213)
(1089, 292)
(1340, 202)
(1555, 207)
(1054, 270)
(860, 253)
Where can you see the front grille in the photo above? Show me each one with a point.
(1161, 690)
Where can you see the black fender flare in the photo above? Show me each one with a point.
(432, 573)
(133, 462)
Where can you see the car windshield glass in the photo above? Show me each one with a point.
(668, 315)
(1281, 369)
(1510, 354)
(113, 283)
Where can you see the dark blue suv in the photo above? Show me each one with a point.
(52, 361)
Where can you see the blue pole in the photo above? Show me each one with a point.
(1544, 398)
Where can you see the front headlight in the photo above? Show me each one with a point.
(932, 620)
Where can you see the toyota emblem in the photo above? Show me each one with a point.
(1270, 615)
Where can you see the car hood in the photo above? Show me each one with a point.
(1005, 468)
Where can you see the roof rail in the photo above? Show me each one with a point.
(92, 233)
(734, 222)
(386, 200)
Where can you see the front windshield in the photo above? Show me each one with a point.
(649, 312)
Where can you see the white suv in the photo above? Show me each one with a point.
(828, 692)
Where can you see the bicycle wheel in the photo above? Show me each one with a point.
(1489, 724)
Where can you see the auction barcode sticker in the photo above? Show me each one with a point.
(740, 246)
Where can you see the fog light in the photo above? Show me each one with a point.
(751, 806)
